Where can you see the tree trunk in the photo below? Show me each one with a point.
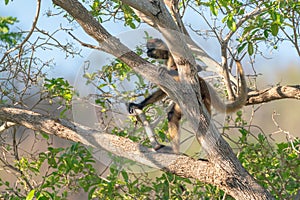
(227, 171)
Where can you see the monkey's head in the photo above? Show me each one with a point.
(157, 49)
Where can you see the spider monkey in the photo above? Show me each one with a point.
(157, 49)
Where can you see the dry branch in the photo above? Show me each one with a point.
(275, 93)
(178, 164)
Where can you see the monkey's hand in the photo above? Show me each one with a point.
(133, 106)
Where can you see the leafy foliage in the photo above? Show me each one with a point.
(277, 168)
(58, 87)
(116, 9)
(7, 1)
(6, 35)
(69, 169)
(255, 25)
(59, 172)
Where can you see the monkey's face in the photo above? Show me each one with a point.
(157, 49)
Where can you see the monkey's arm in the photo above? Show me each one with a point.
(156, 96)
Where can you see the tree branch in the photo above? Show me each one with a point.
(148, 129)
(275, 93)
(144, 8)
(178, 164)
(5, 126)
(112, 45)
(173, 7)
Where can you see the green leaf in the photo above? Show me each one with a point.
(91, 192)
(261, 137)
(241, 47)
(231, 24)
(30, 195)
(233, 27)
(250, 48)
(266, 33)
(45, 135)
(125, 176)
(274, 29)
(213, 8)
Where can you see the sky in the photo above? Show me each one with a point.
(281, 58)
(70, 68)
(274, 69)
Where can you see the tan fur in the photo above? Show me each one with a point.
(174, 117)
(158, 49)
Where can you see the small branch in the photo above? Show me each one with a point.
(6, 125)
(149, 130)
(289, 137)
(275, 93)
(173, 7)
(29, 34)
(84, 44)
(255, 12)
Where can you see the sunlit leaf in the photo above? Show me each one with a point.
(30, 195)
(250, 48)
(274, 29)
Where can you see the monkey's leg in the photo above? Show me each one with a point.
(205, 95)
(174, 117)
(156, 96)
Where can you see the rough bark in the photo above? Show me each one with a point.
(178, 164)
(275, 93)
(232, 177)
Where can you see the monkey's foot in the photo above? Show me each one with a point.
(164, 149)
(132, 107)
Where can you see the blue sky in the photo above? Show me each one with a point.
(273, 69)
(25, 11)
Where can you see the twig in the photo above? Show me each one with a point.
(149, 130)
(6, 125)
(29, 34)
(289, 137)
(85, 44)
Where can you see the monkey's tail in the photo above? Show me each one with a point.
(239, 102)
(174, 117)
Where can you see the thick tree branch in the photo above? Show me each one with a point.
(275, 93)
(37, 122)
(180, 165)
(144, 8)
(177, 164)
(112, 45)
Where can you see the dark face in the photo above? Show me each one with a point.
(156, 48)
